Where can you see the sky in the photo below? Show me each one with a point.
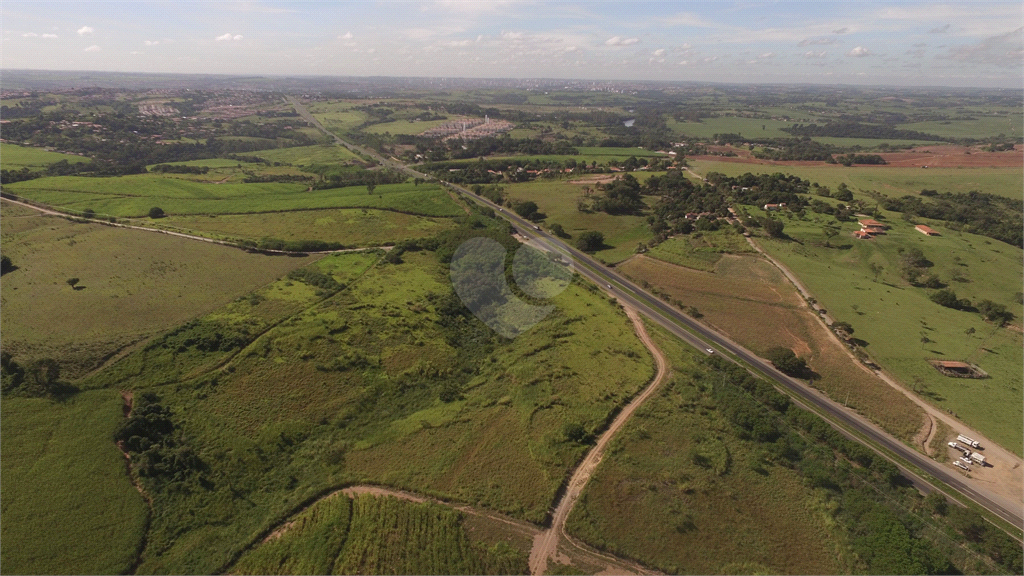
(851, 42)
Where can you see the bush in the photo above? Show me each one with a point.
(774, 227)
(156, 212)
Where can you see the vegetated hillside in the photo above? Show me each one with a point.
(131, 285)
(726, 475)
(388, 379)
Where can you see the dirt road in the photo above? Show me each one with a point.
(50, 212)
(545, 545)
(1003, 478)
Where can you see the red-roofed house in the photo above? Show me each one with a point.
(925, 230)
(861, 234)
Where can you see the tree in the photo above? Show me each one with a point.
(156, 212)
(946, 298)
(843, 193)
(6, 265)
(590, 241)
(876, 269)
(993, 312)
(370, 188)
(787, 361)
(72, 281)
(527, 209)
(830, 232)
(557, 230)
(844, 327)
(774, 227)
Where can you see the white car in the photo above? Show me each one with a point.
(710, 350)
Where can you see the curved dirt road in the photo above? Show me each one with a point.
(545, 545)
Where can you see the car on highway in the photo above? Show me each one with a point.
(536, 227)
(609, 286)
(710, 350)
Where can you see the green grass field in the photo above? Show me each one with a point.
(983, 126)
(894, 317)
(700, 250)
(708, 502)
(348, 390)
(558, 198)
(350, 227)
(14, 157)
(307, 155)
(124, 294)
(133, 196)
(68, 505)
(891, 181)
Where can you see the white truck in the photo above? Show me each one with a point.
(969, 441)
(980, 459)
(960, 464)
(953, 445)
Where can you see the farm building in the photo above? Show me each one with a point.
(773, 207)
(861, 234)
(927, 231)
(958, 369)
(872, 227)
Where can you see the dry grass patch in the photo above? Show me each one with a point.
(748, 299)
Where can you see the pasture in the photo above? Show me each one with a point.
(350, 227)
(132, 285)
(308, 155)
(133, 196)
(358, 388)
(903, 328)
(749, 299)
(708, 502)
(14, 157)
(68, 504)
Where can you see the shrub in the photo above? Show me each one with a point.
(156, 212)
(786, 360)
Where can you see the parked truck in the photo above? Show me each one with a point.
(980, 459)
(960, 464)
(969, 441)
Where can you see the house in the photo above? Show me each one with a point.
(927, 231)
(774, 207)
(873, 227)
(861, 234)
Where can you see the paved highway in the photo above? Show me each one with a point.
(706, 339)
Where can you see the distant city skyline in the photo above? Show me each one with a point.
(868, 43)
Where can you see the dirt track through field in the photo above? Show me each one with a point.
(545, 544)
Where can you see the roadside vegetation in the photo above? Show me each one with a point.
(728, 476)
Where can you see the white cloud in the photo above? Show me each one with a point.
(1005, 50)
(48, 36)
(811, 41)
(659, 52)
(228, 37)
(151, 42)
(859, 52)
(93, 48)
(766, 56)
(136, 52)
(346, 36)
(85, 31)
(29, 35)
(939, 29)
(843, 30)
(620, 41)
(812, 54)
